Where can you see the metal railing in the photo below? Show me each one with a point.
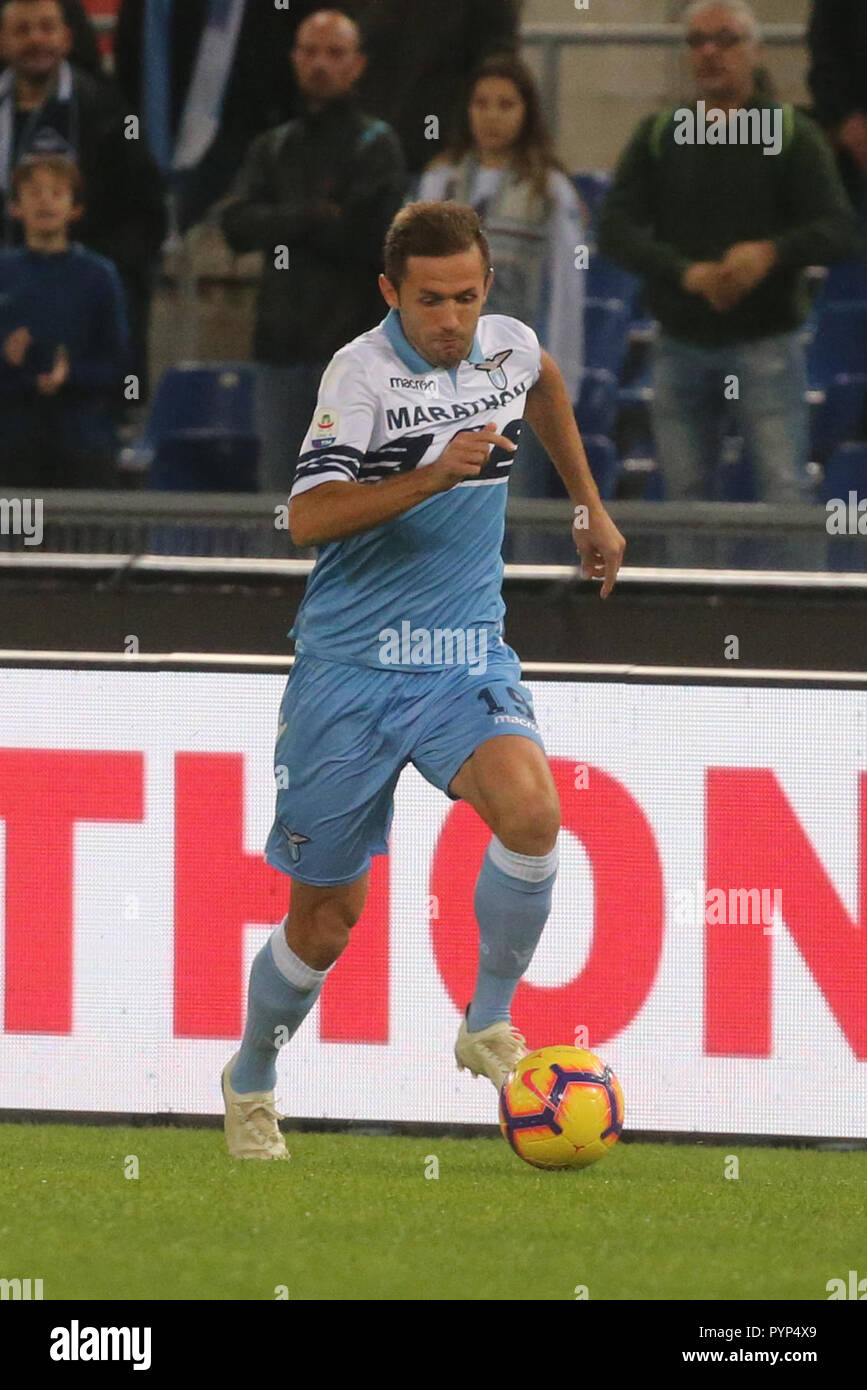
(252, 526)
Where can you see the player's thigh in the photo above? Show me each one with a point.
(336, 765)
(482, 744)
(508, 781)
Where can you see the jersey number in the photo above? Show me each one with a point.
(521, 703)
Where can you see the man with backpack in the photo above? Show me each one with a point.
(720, 205)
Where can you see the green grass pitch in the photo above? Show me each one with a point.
(353, 1216)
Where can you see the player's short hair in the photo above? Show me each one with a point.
(57, 164)
(432, 229)
(739, 9)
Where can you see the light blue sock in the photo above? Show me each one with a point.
(283, 990)
(512, 904)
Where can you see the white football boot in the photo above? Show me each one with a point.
(492, 1052)
(251, 1122)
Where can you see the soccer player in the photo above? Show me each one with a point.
(401, 485)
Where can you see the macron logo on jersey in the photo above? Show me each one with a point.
(414, 383)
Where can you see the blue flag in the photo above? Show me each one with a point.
(200, 118)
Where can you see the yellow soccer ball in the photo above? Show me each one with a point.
(561, 1107)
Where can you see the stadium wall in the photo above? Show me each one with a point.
(134, 805)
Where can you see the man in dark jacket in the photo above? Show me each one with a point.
(838, 81)
(48, 107)
(316, 196)
(259, 91)
(721, 225)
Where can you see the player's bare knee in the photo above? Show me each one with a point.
(320, 931)
(532, 828)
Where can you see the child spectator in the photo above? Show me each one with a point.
(49, 106)
(64, 340)
(502, 163)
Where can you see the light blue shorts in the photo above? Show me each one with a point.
(347, 732)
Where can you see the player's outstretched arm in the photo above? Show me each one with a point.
(336, 510)
(550, 412)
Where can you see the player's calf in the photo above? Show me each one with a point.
(321, 919)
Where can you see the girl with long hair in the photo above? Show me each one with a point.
(501, 161)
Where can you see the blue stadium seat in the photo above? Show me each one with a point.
(604, 464)
(845, 472)
(597, 402)
(845, 283)
(593, 185)
(606, 334)
(605, 280)
(638, 388)
(841, 416)
(840, 344)
(200, 434)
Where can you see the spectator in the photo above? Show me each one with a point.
(501, 162)
(64, 339)
(257, 95)
(84, 51)
(422, 55)
(838, 81)
(325, 187)
(48, 107)
(721, 232)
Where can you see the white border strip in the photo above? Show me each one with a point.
(242, 661)
(191, 564)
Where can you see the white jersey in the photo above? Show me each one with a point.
(383, 410)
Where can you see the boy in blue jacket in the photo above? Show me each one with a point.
(64, 340)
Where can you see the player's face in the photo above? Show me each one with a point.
(327, 59)
(497, 113)
(722, 54)
(34, 39)
(440, 301)
(45, 203)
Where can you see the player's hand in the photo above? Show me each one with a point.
(49, 383)
(600, 545)
(16, 345)
(467, 454)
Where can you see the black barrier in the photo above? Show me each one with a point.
(653, 618)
